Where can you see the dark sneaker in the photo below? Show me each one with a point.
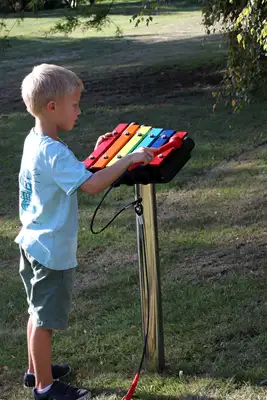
(58, 371)
(62, 391)
(263, 383)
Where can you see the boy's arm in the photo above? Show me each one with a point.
(102, 179)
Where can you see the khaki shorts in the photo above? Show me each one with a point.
(49, 292)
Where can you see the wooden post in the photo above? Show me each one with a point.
(155, 346)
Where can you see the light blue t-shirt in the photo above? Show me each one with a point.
(48, 179)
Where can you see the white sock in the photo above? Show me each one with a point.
(44, 390)
(30, 373)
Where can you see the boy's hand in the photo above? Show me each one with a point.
(105, 177)
(144, 156)
(102, 138)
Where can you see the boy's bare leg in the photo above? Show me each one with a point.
(29, 333)
(41, 353)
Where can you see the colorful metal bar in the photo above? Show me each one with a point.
(131, 145)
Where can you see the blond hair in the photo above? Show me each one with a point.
(46, 83)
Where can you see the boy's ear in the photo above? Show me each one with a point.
(51, 106)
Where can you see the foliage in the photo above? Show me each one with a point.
(244, 23)
(98, 16)
(88, 17)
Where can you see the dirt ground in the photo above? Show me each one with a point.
(127, 87)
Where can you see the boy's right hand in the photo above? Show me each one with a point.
(144, 156)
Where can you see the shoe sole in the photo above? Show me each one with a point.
(63, 376)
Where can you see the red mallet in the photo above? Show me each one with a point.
(174, 143)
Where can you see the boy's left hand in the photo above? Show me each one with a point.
(102, 138)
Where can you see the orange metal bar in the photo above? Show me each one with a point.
(116, 147)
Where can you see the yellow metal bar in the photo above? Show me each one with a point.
(133, 142)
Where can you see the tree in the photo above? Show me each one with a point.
(244, 24)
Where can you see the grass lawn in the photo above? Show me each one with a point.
(211, 217)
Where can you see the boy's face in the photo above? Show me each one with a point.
(65, 111)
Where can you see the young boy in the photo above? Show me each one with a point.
(49, 177)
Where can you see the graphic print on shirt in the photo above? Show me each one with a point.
(26, 182)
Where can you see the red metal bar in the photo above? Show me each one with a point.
(106, 144)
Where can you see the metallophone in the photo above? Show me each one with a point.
(171, 148)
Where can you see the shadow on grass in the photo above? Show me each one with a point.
(146, 396)
(107, 56)
(142, 69)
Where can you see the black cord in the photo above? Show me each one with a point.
(133, 203)
(139, 211)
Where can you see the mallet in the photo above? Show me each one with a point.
(174, 143)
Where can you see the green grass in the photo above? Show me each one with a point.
(211, 217)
